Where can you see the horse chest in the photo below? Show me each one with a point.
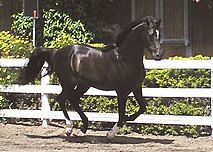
(133, 78)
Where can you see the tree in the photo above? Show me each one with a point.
(91, 13)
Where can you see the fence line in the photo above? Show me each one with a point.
(44, 89)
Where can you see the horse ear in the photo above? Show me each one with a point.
(147, 20)
(157, 23)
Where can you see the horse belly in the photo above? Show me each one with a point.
(98, 80)
(100, 77)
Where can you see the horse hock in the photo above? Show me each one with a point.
(69, 128)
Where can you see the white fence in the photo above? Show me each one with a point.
(45, 89)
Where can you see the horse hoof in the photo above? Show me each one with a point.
(110, 135)
(75, 133)
(84, 130)
(84, 127)
(68, 131)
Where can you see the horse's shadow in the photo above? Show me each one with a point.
(94, 139)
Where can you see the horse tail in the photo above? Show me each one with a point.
(35, 64)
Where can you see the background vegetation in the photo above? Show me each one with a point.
(56, 26)
(62, 30)
(13, 46)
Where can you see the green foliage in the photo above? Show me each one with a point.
(155, 106)
(91, 13)
(22, 26)
(11, 47)
(56, 26)
(97, 45)
(99, 104)
(63, 39)
(57, 23)
(179, 78)
(2, 101)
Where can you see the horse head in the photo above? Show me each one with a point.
(35, 63)
(150, 37)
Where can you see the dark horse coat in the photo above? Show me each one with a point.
(79, 67)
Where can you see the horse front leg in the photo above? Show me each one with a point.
(122, 98)
(141, 102)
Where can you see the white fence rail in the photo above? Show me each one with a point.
(45, 89)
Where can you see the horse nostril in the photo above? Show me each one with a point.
(157, 55)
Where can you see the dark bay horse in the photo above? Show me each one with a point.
(120, 68)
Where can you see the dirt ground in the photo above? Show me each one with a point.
(31, 138)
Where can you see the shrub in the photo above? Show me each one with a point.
(11, 47)
(63, 39)
(97, 45)
(56, 25)
(179, 78)
(22, 26)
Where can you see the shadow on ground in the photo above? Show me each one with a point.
(93, 139)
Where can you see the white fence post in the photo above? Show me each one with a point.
(45, 107)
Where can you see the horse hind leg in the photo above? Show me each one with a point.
(75, 101)
(61, 99)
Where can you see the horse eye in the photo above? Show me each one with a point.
(151, 31)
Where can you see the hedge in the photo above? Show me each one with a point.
(56, 24)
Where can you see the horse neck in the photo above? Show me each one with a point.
(47, 56)
(131, 49)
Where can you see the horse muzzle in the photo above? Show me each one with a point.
(157, 56)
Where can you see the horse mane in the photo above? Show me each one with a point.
(123, 34)
(120, 37)
(126, 31)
